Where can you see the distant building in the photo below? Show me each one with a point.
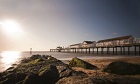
(118, 41)
(136, 40)
(79, 45)
(59, 49)
(87, 44)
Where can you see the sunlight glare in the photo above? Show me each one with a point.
(10, 57)
(10, 26)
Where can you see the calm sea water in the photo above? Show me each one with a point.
(10, 57)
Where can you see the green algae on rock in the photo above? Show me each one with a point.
(76, 62)
(37, 69)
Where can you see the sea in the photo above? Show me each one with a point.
(10, 58)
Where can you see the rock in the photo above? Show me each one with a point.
(33, 57)
(8, 79)
(78, 73)
(76, 62)
(49, 74)
(83, 80)
(12, 78)
(1, 74)
(32, 79)
(20, 77)
(10, 69)
(64, 71)
(38, 69)
(122, 68)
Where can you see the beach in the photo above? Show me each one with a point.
(65, 57)
(41, 63)
(102, 63)
(99, 74)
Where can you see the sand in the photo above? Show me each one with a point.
(102, 63)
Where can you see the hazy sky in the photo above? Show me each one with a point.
(47, 24)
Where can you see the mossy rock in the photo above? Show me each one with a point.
(32, 79)
(122, 68)
(76, 62)
(49, 74)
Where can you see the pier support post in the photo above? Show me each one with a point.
(89, 50)
(116, 50)
(102, 50)
(128, 50)
(139, 50)
(135, 50)
(123, 50)
(113, 50)
(97, 50)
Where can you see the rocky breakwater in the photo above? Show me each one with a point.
(37, 69)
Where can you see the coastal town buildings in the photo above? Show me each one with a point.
(118, 45)
(118, 41)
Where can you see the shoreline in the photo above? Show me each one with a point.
(42, 67)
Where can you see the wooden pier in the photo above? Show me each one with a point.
(123, 50)
(125, 45)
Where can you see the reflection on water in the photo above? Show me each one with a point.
(8, 58)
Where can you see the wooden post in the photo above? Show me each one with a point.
(135, 51)
(30, 51)
(124, 50)
(97, 50)
(121, 50)
(139, 50)
(86, 50)
(102, 50)
(128, 50)
(116, 51)
(72, 50)
(89, 50)
(113, 50)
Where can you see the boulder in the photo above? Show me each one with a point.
(64, 71)
(9, 78)
(76, 62)
(1, 74)
(12, 78)
(122, 68)
(32, 79)
(38, 69)
(49, 74)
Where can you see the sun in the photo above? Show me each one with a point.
(10, 26)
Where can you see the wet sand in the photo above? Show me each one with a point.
(102, 63)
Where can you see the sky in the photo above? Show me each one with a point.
(46, 24)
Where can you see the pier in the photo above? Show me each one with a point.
(125, 45)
